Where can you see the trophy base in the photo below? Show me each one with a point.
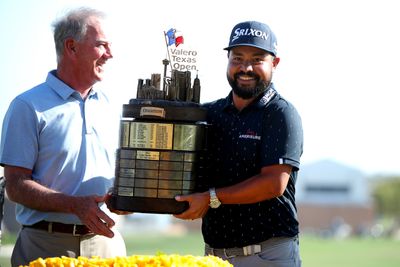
(148, 205)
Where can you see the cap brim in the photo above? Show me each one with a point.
(252, 45)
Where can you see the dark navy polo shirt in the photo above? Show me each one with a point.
(240, 143)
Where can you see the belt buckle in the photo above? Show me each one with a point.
(226, 255)
(251, 250)
(74, 231)
(50, 228)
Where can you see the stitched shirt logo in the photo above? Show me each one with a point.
(250, 135)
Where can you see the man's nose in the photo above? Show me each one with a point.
(109, 53)
(246, 65)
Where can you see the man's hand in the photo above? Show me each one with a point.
(88, 211)
(198, 205)
(111, 208)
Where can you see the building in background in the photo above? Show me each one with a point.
(334, 199)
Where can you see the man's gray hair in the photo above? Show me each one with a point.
(73, 25)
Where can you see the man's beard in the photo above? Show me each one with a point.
(247, 93)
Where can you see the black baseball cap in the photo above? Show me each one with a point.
(253, 33)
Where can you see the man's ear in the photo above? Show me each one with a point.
(276, 61)
(69, 46)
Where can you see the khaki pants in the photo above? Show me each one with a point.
(33, 243)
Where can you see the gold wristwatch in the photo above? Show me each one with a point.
(214, 201)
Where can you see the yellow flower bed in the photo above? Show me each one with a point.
(133, 261)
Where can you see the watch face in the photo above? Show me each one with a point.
(215, 203)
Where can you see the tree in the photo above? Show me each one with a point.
(387, 197)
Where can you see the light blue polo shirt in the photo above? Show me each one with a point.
(68, 143)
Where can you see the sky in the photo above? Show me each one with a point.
(339, 62)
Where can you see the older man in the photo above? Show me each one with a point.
(55, 148)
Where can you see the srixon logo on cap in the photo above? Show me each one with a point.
(249, 32)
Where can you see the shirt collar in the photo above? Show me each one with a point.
(62, 89)
(266, 96)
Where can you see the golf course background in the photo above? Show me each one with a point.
(315, 251)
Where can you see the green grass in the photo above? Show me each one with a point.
(315, 252)
(353, 252)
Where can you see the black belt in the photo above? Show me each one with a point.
(74, 229)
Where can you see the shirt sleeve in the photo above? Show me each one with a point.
(282, 140)
(19, 140)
